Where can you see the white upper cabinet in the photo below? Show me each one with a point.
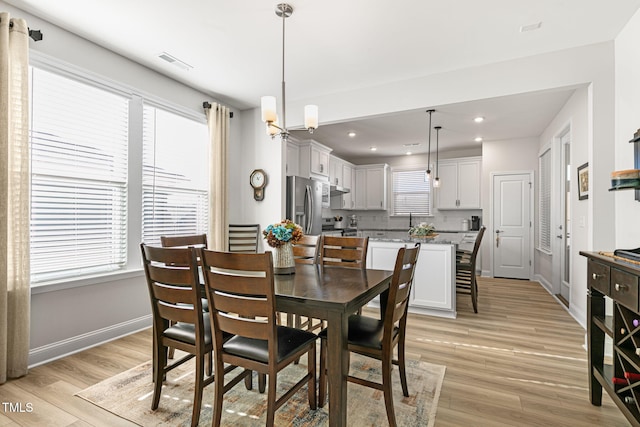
(371, 187)
(335, 171)
(314, 160)
(459, 183)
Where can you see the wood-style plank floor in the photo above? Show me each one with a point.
(519, 362)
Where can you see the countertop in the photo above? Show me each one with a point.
(406, 230)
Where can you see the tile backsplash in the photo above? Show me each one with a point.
(442, 220)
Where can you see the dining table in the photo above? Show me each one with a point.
(331, 293)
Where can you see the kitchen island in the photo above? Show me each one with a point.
(434, 291)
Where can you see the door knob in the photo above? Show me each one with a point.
(559, 236)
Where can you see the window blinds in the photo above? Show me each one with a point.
(175, 181)
(544, 226)
(79, 142)
(411, 192)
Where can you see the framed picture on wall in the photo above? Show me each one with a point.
(583, 182)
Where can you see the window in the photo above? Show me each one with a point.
(544, 207)
(411, 192)
(79, 150)
(175, 180)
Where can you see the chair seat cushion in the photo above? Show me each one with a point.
(186, 332)
(290, 340)
(364, 331)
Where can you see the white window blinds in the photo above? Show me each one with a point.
(79, 141)
(411, 192)
(544, 197)
(175, 181)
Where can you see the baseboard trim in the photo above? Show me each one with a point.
(60, 349)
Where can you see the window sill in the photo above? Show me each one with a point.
(77, 282)
(544, 251)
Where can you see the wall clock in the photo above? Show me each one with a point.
(258, 181)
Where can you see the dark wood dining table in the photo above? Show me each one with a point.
(331, 293)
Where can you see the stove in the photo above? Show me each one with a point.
(329, 227)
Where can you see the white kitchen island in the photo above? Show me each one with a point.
(434, 291)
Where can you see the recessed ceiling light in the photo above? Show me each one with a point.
(530, 27)
(352, 134)
(373, 148)
(479, 119)
(409, 153)
(478, 139)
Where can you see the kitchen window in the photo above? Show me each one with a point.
(412, 192)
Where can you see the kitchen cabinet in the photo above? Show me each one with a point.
(335, 171)
(459, 183)
(433, 292)
(348, 202)
(314, 160)
(293, 153)
(371, 187)
(341, 174)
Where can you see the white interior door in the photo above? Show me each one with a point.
(511, 245)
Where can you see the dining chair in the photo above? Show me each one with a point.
(178, 319)
(466, 282)
(195, 241)
(377, 338)
(343, 251)
(244, 238)
(241, 293)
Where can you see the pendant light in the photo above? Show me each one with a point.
(268, 103)
(436, 182)
(429, 147)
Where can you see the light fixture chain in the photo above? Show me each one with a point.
(284, 101)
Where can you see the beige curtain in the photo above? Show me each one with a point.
(14, 198)
(218, 120)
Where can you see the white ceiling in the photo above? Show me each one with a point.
(332, 46)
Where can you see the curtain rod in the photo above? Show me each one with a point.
(206, 105)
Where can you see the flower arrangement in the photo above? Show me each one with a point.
(282, 232)
(422, 230)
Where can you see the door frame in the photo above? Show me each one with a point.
(490, 230)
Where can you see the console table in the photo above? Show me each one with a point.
(617, 280)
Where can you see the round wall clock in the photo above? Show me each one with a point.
(258, 181)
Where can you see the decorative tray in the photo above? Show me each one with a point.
(630, 254)
(420, 236)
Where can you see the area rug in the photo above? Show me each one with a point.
(129, 394)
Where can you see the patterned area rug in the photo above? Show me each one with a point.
(129, 394)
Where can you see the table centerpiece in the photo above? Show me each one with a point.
(281, 237)
(423, 231)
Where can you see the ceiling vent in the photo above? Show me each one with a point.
(175, 61)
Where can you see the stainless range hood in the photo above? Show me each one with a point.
(336, 190)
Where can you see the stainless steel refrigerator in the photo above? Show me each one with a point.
(304, 203)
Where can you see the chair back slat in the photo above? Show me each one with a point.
(244, 326)
(171, 274)
(244, 238)
(193, 240)
(344, 251)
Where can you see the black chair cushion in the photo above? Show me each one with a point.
(186, 332)
(364, 331)
(289, 341)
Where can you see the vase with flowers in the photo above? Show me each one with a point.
(281, 237)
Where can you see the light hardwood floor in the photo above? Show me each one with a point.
(519, 362)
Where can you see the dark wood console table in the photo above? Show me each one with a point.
(618, 281)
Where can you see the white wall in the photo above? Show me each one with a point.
(627, 58)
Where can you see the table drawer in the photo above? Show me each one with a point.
(624, 288)
(598, 276)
